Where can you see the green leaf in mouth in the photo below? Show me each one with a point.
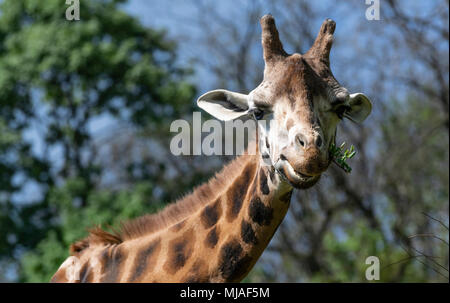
(340, 156)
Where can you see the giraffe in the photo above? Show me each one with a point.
(218, 232)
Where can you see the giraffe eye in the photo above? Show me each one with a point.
(341, 110)
(259, 114)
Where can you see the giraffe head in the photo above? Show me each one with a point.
(300, 101)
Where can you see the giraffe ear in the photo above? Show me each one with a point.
(360, 107)
(223, 104)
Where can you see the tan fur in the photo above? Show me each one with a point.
(201, 262)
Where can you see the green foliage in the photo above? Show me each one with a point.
(352, 251)
(56, 78)
(340, 156)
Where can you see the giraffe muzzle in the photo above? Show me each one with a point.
(295, 178)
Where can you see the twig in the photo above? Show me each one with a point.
(428, 235)
(440, 222)
(424, 263)
(405, 259)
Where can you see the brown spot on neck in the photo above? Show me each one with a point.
(233, 262)
(211, 214)
(260, 213)
(180, 250)
(238, 190)
(112, 258)
(247, 233)
(264, 187)
(86, 273)
(198, 273)
(146, 259)
(177, 227)
(212, 237)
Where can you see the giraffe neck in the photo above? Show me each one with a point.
(255, 205)
(220, 242)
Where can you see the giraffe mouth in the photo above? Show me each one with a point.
(294, 177)
(306, 177)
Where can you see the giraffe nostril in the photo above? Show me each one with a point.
(301, 140)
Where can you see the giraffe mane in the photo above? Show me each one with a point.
(96, 236)
(169, 215)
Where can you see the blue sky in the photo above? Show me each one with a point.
(350, 17)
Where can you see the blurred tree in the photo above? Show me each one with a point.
(57, 78)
